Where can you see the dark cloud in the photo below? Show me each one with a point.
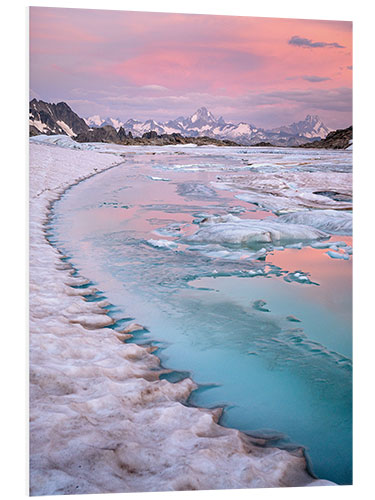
(306, 42)
(309, 78)
(315, 79)
(339, 99)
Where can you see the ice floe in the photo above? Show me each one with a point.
(299, 277)
(162, 243)
(253, 232)
(337, 255)
(329, 221)
(153, 178)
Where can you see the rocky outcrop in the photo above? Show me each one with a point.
(263, 144)
(47, 118)
(151, 138)
(338, 139)
(100, 134)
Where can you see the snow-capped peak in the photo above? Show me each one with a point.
(313, 119)
(97, 121)
(202, 115)
(94, 121)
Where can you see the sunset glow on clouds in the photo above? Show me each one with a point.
(153, 65)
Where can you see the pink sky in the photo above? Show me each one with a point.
(265, 71)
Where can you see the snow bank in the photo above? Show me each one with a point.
(64, 141)
(101, 420)
(58, 140)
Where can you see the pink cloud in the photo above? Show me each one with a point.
(184, 54)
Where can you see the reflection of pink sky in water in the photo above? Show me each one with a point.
(332, 275)
(107, 242)
(156, 204)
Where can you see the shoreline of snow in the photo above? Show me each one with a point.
(101, 420)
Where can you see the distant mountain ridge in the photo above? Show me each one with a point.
(203, 122)
(47, 118)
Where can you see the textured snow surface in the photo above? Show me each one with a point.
(101, 420)
(330, 221)
(58, 140)
(288, 191)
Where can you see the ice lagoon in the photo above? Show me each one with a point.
(227, 257)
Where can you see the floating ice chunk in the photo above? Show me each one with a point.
(162, 243)
(252, 232)
(214, 219)
(340, 244)
(214, 251)
(169, 230)
(293, 319)
(259, 305)
(295, 245)
(298, 277)
(337, 255)
(158, 178)
(321, 244)
(330, 221)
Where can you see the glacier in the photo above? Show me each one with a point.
(101, 418)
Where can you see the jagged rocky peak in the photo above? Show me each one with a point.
(49, 118)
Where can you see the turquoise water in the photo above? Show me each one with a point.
(281, 368)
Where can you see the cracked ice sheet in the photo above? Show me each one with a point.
(330, 221)
(288, 191)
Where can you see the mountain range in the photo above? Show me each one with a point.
(203, 122)
(47, 118)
